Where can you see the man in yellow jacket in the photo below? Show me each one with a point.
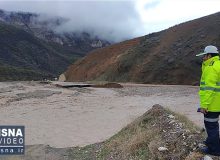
(210, 98)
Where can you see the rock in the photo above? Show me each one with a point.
(200, 145)
(62, 78)
(171, 116)
(161, 149)
(173, 121)
(207, 158)
(181, 124)
(171, 60)
(96, 44)
(173, 132)
(190, 136)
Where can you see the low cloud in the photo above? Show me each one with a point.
(111, 20)
(116, 20)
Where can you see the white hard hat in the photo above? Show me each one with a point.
(209, 49)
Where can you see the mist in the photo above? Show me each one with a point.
(111, 20)
(115, 20)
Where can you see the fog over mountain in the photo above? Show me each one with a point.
(95, 17)
(116, 20)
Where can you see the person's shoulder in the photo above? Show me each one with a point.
(217, 62)
(216, 65)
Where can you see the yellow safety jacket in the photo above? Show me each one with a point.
(210, 85)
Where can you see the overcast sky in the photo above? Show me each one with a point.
(118, 19)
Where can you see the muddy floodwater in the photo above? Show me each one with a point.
(62, 117)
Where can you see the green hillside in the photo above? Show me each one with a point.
(25, 57)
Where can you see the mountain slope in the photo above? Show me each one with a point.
(21, 51)
(166, 57)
